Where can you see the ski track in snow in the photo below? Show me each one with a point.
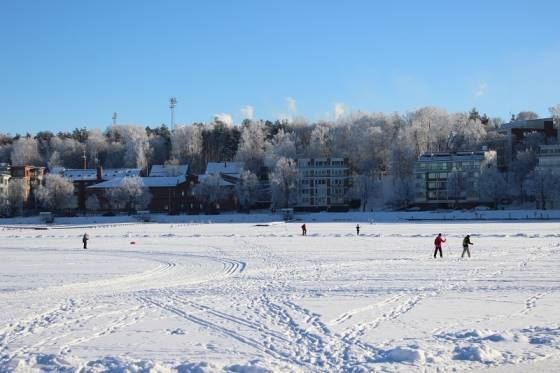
(249, 300)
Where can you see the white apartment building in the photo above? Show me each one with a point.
(322, 182)
(432, 170)
(549, 158)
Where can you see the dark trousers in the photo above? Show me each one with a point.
(466, 250)
(85, 244)
(438, 248)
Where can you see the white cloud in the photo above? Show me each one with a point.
(247, 112)
(225, 118)
(338, 110)
(481, 91)
(291, 102)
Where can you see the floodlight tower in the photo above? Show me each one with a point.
(172, 104)
(114, 118)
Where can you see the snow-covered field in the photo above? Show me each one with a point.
(251, 298)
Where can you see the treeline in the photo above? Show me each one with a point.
(374, 143)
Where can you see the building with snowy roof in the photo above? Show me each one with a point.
(169, 186)
(516, 131)
(84, 178)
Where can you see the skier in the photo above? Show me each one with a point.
(437, 242)
(358, 229)
(85, 239)
(303, 230)
(466, 243)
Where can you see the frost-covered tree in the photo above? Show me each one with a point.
(210, 190)
(282, 144)
(544, 186)
(66, 152)
(18, 192)
(251, 149)
(131, 194)
(25, 152)
(523, 164)
(364, 188)
(402, 160)
(96, 148)
(321, 141)
(186, 143)
(403, 191)
(466, 133)
(92, 203)
(135, 143)
(492, 186)
(555, 113)
(283, 183)
(57, 193)
(526, 115)
(457, 187)
(246, 189)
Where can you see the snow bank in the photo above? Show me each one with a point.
(481, 353)
(403, 354)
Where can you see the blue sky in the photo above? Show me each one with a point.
(68, 64)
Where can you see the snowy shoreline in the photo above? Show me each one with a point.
(525, 216)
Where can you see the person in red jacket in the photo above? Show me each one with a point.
(437, 242)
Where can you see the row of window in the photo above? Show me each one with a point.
(331, 172)
(448, 165)
(444, 175)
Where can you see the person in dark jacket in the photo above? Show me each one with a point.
(466, 243)
(85, 239)
(437, 242)
(358, 229)
(303, 230)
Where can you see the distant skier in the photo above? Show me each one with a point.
(303, 230)
(437, 242)
(358, 229)
(85, 239)
(466, 243)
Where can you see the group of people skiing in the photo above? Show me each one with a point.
(439, 240)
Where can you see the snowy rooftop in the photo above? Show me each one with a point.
(90, 174)
(528, 124)
(159, 170)
(150, 182)
(442, 157)
(223, 182)
(225, 168)
(163, 181)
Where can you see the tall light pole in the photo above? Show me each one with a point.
(114, 118)
(172, 104)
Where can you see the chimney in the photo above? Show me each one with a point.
(99, 171)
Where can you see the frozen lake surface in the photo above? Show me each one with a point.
(256, 298)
